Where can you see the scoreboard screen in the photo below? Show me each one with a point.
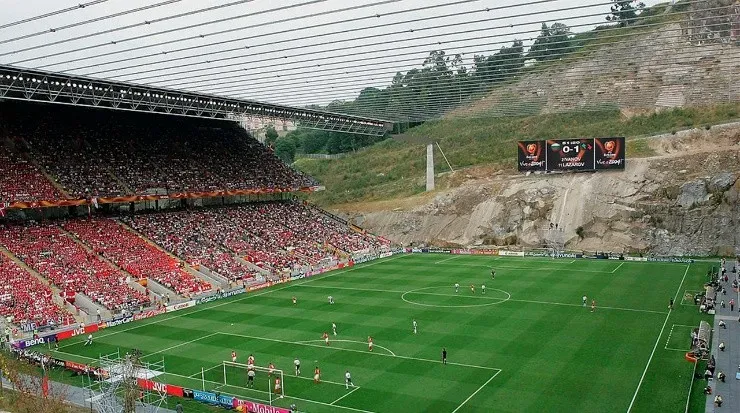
(571, 154)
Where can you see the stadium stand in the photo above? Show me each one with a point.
(82, 150)
(25, 299)
(21, 180)
(275, 236)
(51, 252)
(134, 255)
(184, 235)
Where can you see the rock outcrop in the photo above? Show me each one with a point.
(683, 201)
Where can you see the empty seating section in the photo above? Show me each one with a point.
(136, 256)
(107, 154)
(25, 299)
(21, 180)
(51, 252)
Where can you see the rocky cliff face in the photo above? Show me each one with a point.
(683, 201)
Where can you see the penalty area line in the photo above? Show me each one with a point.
(476, 392)
(353, 390)
(657, 341)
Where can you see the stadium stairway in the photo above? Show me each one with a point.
(80, 316)
(162, 290)
(214, 279)
(728, 361)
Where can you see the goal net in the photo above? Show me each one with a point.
(236, 376)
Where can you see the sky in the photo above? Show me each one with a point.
(293, 52)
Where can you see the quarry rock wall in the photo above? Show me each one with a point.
(681, 201)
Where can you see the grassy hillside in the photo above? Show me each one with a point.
(395, 168)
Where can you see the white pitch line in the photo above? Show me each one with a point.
(448, 259)
(481, 297)
(180, 345)
(353, 390)
(196, 375)
(538, 269)
(618, 267)
(347, 341)
(475, 392)
(248, 296)
(655, 347)
(221, 386)
(598, 307)
(358, 351)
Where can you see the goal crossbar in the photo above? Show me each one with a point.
(271, 374)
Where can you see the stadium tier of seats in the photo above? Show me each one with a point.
(69, 266)
(105, 154)
(134, 255)
(275, 236)
(21, 180)
(25, 299)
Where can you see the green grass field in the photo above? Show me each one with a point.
(527, 345)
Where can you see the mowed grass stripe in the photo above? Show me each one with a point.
(554, 357)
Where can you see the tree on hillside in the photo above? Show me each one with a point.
(285, 150)
(625, 12)
(500, 66)
(271, 135)
(552, 43)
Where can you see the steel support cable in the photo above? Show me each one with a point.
(288, 30)
(471, 85)
(280, 79)
(84, 22)
(230, 72)
(399, 32)
(222, 42)
(53, 13)
(533, 71)
(314, 68)
(115, 29)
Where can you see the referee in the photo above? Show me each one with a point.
(444, 355)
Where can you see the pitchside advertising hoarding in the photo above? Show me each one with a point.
(590, 154)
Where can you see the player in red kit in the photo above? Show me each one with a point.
(270, 369)
(472, 288)
(250, 360)
(278, 387)
(326, 338)
(369, 343)
(593, 305)
(317, 375)
(233, 356)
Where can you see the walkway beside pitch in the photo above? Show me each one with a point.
(81, 397)
(728, 361)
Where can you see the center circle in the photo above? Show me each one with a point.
(485, 301)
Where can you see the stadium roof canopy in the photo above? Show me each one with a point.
(324, 54)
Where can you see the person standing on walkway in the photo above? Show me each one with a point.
(732, 304)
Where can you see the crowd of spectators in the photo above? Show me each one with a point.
(107, 154)
(21, 180)
(134, 255)
(183, 233)
(69, 266)
(25, 299)
(275, 236)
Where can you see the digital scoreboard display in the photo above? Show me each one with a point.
(571, 154)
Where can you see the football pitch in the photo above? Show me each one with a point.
(526, 345)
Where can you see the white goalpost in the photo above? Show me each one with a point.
(237, 375)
